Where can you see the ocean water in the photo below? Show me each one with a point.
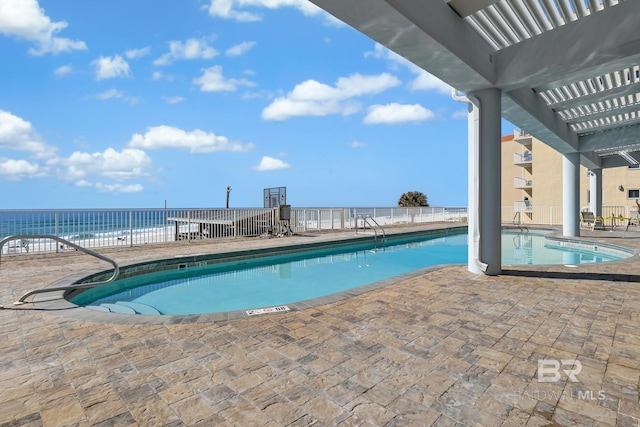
(80, 224)
(116, 227)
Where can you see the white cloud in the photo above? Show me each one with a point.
(110, 188)
(173, 99)
(25, 19)
(116, 94)
(312, 98)
(397, 113)
(423, 80)
(118, 165)
(110, 94)
(460, 114)
(18, 134)
(240, 49)
(137, 53)
(271, 164)
(63, 71)
(263, 94)
(230, 9)
(358, 144)
(212, 80)
(285, 108)
(190, 49)
(426, 81)
(118, 188)
(159, 75)
(111, 66)
(196, 141)
(15, 170)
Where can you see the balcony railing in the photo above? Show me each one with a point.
(522, 137)
(525, 157)
(522, 183)
(519, 133)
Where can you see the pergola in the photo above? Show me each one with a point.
(566, 71)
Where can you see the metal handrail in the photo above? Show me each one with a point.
(365, 220)
(21, 300)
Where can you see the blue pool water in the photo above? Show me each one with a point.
(285, 279)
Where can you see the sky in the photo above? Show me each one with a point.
(134, 104)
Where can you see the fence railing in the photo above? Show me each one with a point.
(539, 215)
(552, 215)
(128, 227)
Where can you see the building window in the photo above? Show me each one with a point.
(634, 167)
(633, 194)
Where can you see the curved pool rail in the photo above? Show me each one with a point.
(22, 299)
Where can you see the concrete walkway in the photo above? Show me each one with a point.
(445, 347)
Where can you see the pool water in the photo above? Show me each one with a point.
(534, 249)
(285, 279)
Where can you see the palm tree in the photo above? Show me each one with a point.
(412, 199)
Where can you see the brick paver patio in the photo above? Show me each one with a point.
(445, 347)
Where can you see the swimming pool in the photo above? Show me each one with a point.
(271, 282)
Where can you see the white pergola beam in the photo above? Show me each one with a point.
(534, 116)
(600, 43)
(629, 108)
(435, 37)
(613, 162)
(594, 98)
(440, 41)
(615, 138)
(465, 8)
(453, 34)
(591, 160)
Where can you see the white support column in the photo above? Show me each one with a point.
(485, 247)
(595, 191)
(571, 194)
(473, 208)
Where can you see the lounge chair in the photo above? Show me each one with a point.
(22, 244)
(590, 221)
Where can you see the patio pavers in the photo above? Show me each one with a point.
(441, 348)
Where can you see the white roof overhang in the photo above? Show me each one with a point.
(569, 70)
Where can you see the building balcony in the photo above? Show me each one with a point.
(525, 159)
(522, 183)
(522, 137)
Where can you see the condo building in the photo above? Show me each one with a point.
(532, 184)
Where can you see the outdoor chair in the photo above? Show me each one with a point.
(633, 220)
(590, 221)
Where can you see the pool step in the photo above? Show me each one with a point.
(116, 308)
(139, 307)
(97, 308)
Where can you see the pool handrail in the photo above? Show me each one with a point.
(365, 222)
(114, 276)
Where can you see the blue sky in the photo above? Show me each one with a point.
(130, 103)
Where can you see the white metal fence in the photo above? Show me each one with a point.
(128, 227)
(541, 215)
(552, 215)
